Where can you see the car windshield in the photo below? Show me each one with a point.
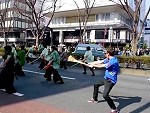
(84, 48)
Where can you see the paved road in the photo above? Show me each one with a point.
(131, 94)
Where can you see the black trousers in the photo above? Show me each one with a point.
(56, 76)
(108, 85)
(43, 63)
(92, 70)
(18, 70)
(63, 64)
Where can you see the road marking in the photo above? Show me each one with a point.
(35, 72)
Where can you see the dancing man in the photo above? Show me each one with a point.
(112, 68)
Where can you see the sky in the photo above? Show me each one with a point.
(147, 5)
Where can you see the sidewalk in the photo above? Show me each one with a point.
(27, 106)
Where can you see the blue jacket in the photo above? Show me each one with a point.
(112, 69)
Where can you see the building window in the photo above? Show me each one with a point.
(101, 34)
(107, 16)
(117, 34)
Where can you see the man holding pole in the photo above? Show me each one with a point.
(112, 69)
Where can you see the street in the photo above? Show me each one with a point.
(131, 94)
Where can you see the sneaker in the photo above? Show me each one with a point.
(148, 79)
(18, 94)
(115, 111)
(3, 90)
(93, 101)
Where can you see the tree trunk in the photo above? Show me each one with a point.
(84, 36)
(134, 45)
(5, 40)
(37, 41)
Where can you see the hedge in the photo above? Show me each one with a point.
(134, 59)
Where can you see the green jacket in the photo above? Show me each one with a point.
(21, 57)
(56, 59)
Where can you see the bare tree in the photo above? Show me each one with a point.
(38, 9)
(83, 16)
(135, 15)
(6, 20)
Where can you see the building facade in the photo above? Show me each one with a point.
(12, 23)
(108, 24)
(147, 33)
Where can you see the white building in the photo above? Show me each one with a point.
(147, 33)
(106, 18)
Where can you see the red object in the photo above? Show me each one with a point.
(47, 66)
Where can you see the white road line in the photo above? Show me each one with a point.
(35, 72)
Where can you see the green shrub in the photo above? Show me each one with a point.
(134, 59)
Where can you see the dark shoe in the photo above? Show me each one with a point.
(93, 101)
(84, 73)
(45, 76)
(48, 79)
(21, 75)
(59, 82)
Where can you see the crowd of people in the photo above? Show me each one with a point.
(14, 60)
(51, 60)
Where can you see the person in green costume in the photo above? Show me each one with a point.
(53, 66)
(21, 56)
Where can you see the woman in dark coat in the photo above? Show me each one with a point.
(7, 73)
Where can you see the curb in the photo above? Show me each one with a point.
(136, 72)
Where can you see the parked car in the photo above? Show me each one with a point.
(97, 51)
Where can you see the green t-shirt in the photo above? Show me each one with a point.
(22, 57)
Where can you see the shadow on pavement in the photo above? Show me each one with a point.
(142, 108)
(126, 101)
